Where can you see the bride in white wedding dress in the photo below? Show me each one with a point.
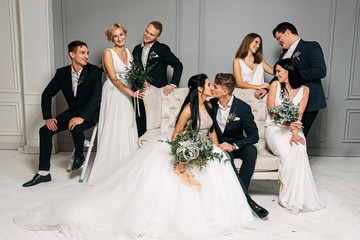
(297, 190)
(117, 125)
(146, 199)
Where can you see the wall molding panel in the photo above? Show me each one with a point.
(352, 95)
(351, 126)
(330, 46)
(10, 123)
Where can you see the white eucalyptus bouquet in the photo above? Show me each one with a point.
(286, 112)
(191, 148)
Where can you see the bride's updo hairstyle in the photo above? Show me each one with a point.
(111, 30)
(193, 98)
(293, 73)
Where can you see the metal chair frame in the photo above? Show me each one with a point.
(89, 145)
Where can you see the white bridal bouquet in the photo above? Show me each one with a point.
(286, 112)
(191, 148)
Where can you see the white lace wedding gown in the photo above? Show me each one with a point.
(251, 77)
(298, 191)
(117, 131)
(145, 199)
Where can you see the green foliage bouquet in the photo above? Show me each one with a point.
(286, 112)
(193, 149)
(136, 75)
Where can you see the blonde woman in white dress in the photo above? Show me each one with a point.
(249, 65)
(117, 134)
(298, 192)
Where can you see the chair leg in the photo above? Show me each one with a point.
(71, 160)
(88, 154)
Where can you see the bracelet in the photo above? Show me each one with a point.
(114, 79)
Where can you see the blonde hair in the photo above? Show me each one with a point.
(109, 33)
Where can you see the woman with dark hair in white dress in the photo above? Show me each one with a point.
(146, 199)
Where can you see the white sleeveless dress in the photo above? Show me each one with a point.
(251, 77)
(145, 199)
(117, 131)
(298, 191)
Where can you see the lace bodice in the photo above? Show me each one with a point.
(205, 122)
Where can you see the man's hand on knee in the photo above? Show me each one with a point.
(226, 147)
(75, 121)
(51, 124)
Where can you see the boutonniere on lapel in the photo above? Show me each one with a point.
(296, 55)
(81, 79)
(232, 117)
(153, 55)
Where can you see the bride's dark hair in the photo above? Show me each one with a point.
(195, 81)
(293, 73)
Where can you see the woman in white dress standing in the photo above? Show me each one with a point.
(297, 189)
(145, 199)
(249, 65)
(117, 132)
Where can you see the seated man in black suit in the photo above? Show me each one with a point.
(81, 86)
(231, 117)
(309, 58)
(152, 52)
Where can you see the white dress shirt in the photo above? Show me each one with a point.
(75, 76)
(145, 54)
(291, 49)
(223, 114)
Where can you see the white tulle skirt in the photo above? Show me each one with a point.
(145, 199)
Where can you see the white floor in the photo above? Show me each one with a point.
(337, 181)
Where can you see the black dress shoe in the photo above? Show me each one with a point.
(37, 179)
(260, 211)
(78, 162)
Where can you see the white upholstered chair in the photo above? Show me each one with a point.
(162, 111)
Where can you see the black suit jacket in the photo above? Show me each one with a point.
(312, 67)
(233, 132)
(86, 104)
(164, 57)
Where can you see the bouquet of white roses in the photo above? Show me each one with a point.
(286, 112)
(191, 148)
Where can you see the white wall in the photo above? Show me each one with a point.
(205, 35)
(11, 99)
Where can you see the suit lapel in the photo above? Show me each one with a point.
(68, 82)
(298, 48)
(152, 49)
(217, 128)
(232, 110)
(84, 74)
(282, 54)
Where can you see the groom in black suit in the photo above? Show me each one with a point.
(309, 58)
(231, 118)
(152, 52)
(81, 86)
